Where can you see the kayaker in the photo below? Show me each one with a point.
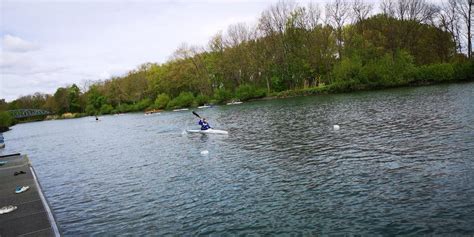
(204, 124)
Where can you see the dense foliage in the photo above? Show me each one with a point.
(6, 120)
(291, 51)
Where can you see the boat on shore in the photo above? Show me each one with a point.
(234, 102)
(177, 110)
(153, 111)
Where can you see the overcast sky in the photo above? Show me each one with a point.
(54, 43)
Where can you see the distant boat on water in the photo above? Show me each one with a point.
(177, 110)
(234, 102)
(204, 106)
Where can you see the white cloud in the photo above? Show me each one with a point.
(12, 43)
(10, 61)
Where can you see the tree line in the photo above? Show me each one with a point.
(293, 50)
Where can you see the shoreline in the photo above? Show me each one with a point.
(310, 91)
(313, 91)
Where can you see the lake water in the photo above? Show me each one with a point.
(401, 163)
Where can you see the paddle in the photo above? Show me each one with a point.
(197, 115)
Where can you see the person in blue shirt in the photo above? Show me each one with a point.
(204, 124)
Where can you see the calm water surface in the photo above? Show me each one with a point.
(402, 163)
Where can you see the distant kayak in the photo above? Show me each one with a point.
(211, 131)
(234, 103)
(177, 110)
(204, 107)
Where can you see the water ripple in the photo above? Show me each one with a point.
(401, 164)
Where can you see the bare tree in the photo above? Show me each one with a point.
(388, 7)
(195, 55)
(313, 15)
(450, 21)
(298, 18)
(420, 10)
(237, 34)
(402, 8)
(413, 10)
(273, 24)
(337, 13)
(216, 43)
(182, 52)
(464, 9)
(274, 19)
(432, 14)
(361, 10)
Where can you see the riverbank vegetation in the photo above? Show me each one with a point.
(6, 120)
(292, 50)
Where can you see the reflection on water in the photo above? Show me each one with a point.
(401, 163)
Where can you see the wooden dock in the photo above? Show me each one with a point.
(33, 216)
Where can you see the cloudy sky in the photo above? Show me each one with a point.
(46, 44)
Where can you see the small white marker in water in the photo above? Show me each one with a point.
(205, 152)
(336, 127)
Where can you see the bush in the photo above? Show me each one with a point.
(347, 70)
(435, 73)
(346, 86)
(386, 71)
(162, 101)
(247, 92)
(106, 109)
(322, 89)
(222, 95)
(202, 99)
(124, 108)
(278, 83)
(90, 110)
(185, 99)
(79, 115)
(6, 119)
(141, 105)
(464, 71)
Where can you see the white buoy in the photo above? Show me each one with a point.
(336, 127)
(205, 152)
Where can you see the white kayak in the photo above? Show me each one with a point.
(177, 110)
(235, 103)
(210, 130)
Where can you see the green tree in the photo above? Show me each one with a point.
(95, 101)
(61, 100)
(162, 101)
(185, 99)
(6, 120)
(74, 99)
